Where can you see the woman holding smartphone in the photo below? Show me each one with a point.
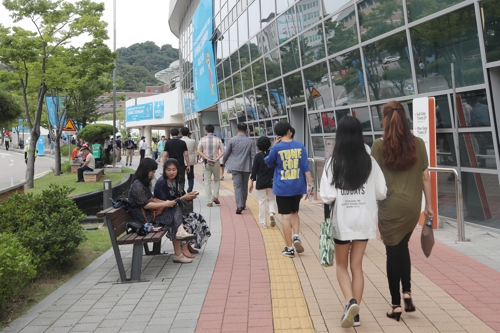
(167, 188)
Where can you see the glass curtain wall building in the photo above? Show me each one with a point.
(312, 62)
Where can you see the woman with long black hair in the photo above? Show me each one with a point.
(139, 196)
(404, 162)
(353, 181)
(167, 187)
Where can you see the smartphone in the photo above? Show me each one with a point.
(197, 193)
(310, 193)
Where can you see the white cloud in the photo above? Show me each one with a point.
(136, 22)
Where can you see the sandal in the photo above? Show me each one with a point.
(409, 307)
(394, 315)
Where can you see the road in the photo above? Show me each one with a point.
(14, 169)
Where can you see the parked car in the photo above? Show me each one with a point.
(391, 59)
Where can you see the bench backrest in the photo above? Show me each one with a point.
(119, 218)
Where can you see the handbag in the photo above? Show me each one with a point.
(326, 244)
(156, 211)
(186, 206)
(427, 237)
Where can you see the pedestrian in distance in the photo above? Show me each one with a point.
(154, 149)
(177, 148)
(142, 147)
(191, 146)
(129, 145)
(352, 181)
(118, 145)
(238, 158)
(292, 179)
(211, 150)
(403, 160)
(263, 175)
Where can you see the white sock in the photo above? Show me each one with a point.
(296, 235)
(289, 248)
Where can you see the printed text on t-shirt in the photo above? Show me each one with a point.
(290, 159)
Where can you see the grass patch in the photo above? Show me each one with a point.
(69, 179)
(96, 244)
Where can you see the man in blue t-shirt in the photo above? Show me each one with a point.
(292, 179)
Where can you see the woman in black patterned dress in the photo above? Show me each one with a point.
(166, 189)
(139, 195)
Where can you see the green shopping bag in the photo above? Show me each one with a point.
(326, 245)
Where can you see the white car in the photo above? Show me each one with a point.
(391, 59)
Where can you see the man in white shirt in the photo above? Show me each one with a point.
(142, 147)
(191, 144)
(88, 165)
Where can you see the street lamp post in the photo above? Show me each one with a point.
(114, 83)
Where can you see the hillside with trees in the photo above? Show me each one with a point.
(138, 64)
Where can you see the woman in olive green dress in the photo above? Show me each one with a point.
(404, 162)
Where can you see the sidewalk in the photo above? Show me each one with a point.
(240, 282)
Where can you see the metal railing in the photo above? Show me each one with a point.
(458, 192)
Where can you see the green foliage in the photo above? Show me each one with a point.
(138, 63)
(148, 55)
(41, 58)
(17, 267)
(48, 224)
(10, 109)
(66, 167)
(96, 131)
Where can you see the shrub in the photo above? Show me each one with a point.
(17, 266)
(48, 224)
(96, 131)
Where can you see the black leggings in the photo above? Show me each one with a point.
(399, 268)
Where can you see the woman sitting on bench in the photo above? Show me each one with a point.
(139, 196)
(166, 188)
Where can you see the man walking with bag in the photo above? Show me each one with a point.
(211, 150)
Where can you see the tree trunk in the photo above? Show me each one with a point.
(57, 155)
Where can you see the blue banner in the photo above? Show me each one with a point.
(40, 145)
(159, 110)
(204, 77)
(54, 111)
(140, 112)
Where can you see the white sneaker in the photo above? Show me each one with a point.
(264, 225)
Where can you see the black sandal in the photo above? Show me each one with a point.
(409, 307)
(395, 315)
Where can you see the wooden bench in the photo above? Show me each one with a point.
(116, 220)
(93, 176)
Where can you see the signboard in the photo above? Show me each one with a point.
(314, 93)
(140, 112)
(159, 110)
(70, 126)
(204, 77)
(424, 127)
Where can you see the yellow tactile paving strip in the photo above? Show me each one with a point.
(290, 311)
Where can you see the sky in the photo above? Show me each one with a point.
(137, 21)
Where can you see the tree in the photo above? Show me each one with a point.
(96, 131)
(36, 55)
(10, 109)
(398, 78)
